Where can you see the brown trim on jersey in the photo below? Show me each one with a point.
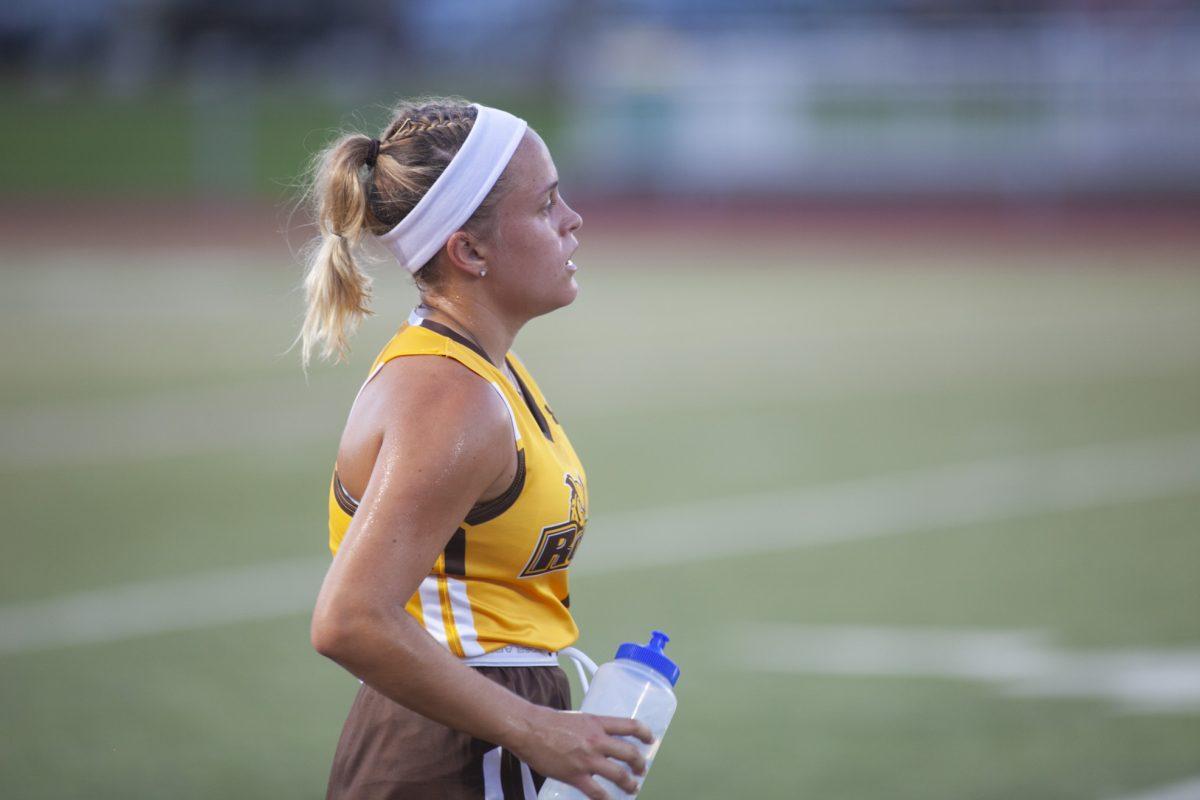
(479, 513)
(344, 500)
(483, 512)
(450, 333)
(454, 557)
(531, 403)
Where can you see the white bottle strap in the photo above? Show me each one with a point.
(584, 666)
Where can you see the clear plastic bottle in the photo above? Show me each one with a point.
(637, 683)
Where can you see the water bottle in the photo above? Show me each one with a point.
(637, 683)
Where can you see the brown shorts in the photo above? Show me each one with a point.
(387, 752)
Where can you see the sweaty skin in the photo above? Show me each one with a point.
(425, 441)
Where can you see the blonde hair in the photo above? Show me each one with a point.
(350, 197)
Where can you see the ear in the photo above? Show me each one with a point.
(465, 253)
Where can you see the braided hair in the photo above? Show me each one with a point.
(364, 186)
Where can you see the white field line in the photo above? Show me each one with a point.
(921, 500)
(1184, 790)
(926, 499)
(202, 600)
(1019, 663)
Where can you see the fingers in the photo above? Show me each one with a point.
(618, 775)
(620, 726)
(589, 750)
(591, 789)
(619, 748)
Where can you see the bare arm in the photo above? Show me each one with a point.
(446, 438)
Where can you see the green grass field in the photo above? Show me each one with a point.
(922, 447)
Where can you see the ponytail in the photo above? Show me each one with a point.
(338, 291)
(367, 186)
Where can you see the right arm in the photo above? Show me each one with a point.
(446, 437)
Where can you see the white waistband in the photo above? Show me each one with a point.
(514, 655)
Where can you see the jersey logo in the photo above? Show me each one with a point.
(557, 544)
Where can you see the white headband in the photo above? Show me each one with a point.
(459, 190)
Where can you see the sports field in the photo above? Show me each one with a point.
(922, 520)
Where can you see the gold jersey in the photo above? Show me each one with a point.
(502, 578)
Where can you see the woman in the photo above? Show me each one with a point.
(457, 501)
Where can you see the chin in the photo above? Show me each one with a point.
(573, 293)
(557, 301)
(558, 292)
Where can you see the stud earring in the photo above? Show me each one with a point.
(483, 272)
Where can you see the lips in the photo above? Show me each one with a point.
(571, 266)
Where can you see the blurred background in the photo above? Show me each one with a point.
(885, 370)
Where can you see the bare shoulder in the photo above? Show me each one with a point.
(436, 402)
(428, 387)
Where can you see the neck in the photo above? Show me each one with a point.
(487, 328)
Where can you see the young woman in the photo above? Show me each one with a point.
(457, 501)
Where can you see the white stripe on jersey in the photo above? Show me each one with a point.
(431, 609)
(464, 620)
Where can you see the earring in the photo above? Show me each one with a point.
(483, 272)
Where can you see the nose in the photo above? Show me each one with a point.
(574, 220)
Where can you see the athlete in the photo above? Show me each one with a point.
(457, 501)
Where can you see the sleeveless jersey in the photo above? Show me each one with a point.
(502, 578)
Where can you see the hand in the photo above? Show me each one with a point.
(572, 747)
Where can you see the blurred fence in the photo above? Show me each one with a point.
(1060, 104)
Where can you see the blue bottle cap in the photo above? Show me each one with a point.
(652, 655)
